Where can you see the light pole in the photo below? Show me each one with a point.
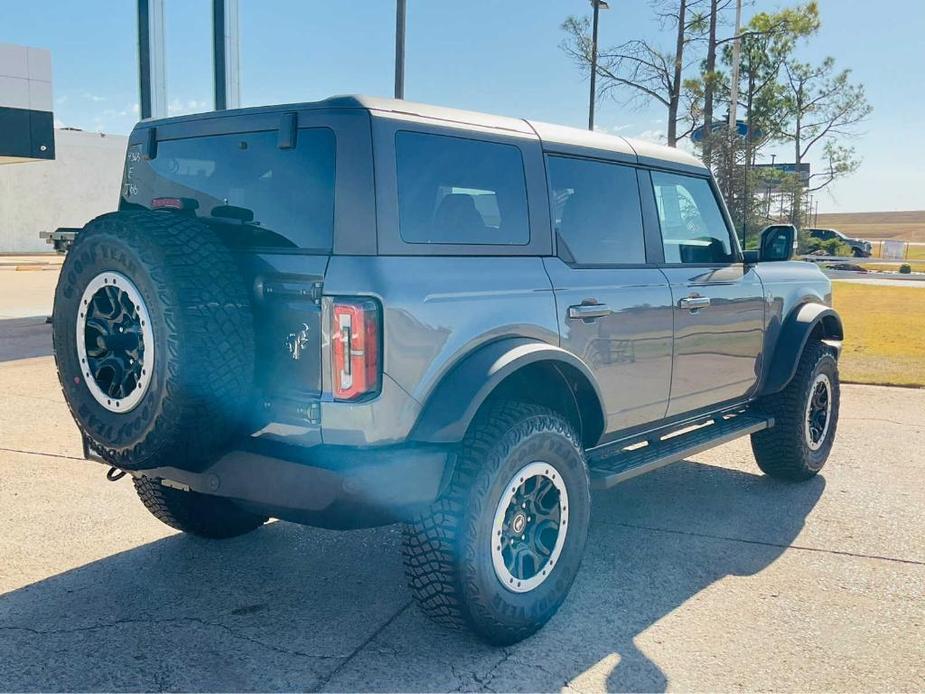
(400, 49)
(597, 5)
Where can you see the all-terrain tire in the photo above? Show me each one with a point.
(784, 451)
(448, 550)
(200, 380)
(197, 514)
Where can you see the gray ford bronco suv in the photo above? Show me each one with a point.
(362, 311)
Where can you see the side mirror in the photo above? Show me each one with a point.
(777, 242)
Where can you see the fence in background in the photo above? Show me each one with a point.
(888, 249)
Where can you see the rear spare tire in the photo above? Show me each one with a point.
(153, 339)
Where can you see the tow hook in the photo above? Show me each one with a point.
(115, 474)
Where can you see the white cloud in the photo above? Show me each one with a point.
(652, 135)
(612, 129)
(93, 97)
(178, 106)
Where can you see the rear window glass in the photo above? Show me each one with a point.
(454, 190)
(253, 192)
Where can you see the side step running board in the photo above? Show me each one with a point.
(610, 466)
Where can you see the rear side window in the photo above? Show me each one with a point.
(453, 190)
(693, 227)
(596, 211)
(253, 192)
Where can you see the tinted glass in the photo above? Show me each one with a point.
(457, 191)
(693, 227)
(596, 210)
(253, 192)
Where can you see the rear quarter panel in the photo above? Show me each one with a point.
(436, 311)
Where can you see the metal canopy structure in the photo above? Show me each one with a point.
(225, 61)
(152, 76)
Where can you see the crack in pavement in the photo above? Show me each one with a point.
(803, 548)
(489, 676)
(174, 620)
(39, 453)
(879, 419)
(323, 682)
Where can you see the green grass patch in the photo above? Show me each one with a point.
(884, 333)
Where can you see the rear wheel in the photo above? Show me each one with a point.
(498, 553)
(197, 514)
(806, 417)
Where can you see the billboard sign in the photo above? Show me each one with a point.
(803, 170)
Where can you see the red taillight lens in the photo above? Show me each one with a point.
(167, 203)
(355, 348)
(174, 204)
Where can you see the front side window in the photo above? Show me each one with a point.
(453, 190)
(693, 227)
(596, 211)
(253, 193)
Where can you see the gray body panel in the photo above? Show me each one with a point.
(650, 359)
(436, 310)
(629, 351)
(717, 349)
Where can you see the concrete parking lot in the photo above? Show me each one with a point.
(702, 576)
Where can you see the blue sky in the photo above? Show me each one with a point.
(488, 55)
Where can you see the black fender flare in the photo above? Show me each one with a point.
(453, 403)
(792, 338)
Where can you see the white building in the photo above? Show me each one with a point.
(80, 183)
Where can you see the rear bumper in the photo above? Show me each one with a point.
(336, 487)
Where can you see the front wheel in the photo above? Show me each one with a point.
(806, 417)
(498, 553)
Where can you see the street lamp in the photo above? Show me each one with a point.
(597, 5)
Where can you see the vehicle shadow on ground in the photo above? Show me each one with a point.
(297, 608)
(24, 338)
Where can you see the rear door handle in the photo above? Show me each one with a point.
(589, 311)
(694, 302)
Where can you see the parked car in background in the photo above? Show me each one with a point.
(859, 247)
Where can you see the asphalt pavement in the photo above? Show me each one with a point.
(704, 575)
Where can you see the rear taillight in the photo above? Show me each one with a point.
(355, 348)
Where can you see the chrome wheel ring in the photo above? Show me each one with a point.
(817, 417)
(115, 342)
(530, 526)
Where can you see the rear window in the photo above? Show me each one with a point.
(454, 190)
(253, 192)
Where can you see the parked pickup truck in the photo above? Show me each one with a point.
(362, 311)
(859, 247)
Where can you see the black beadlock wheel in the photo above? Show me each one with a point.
(805, 419)
(153, 339)
(499, 551)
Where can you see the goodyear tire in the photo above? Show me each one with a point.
(197, 514)
(499, 552)
(153, 340)
(806, 418)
